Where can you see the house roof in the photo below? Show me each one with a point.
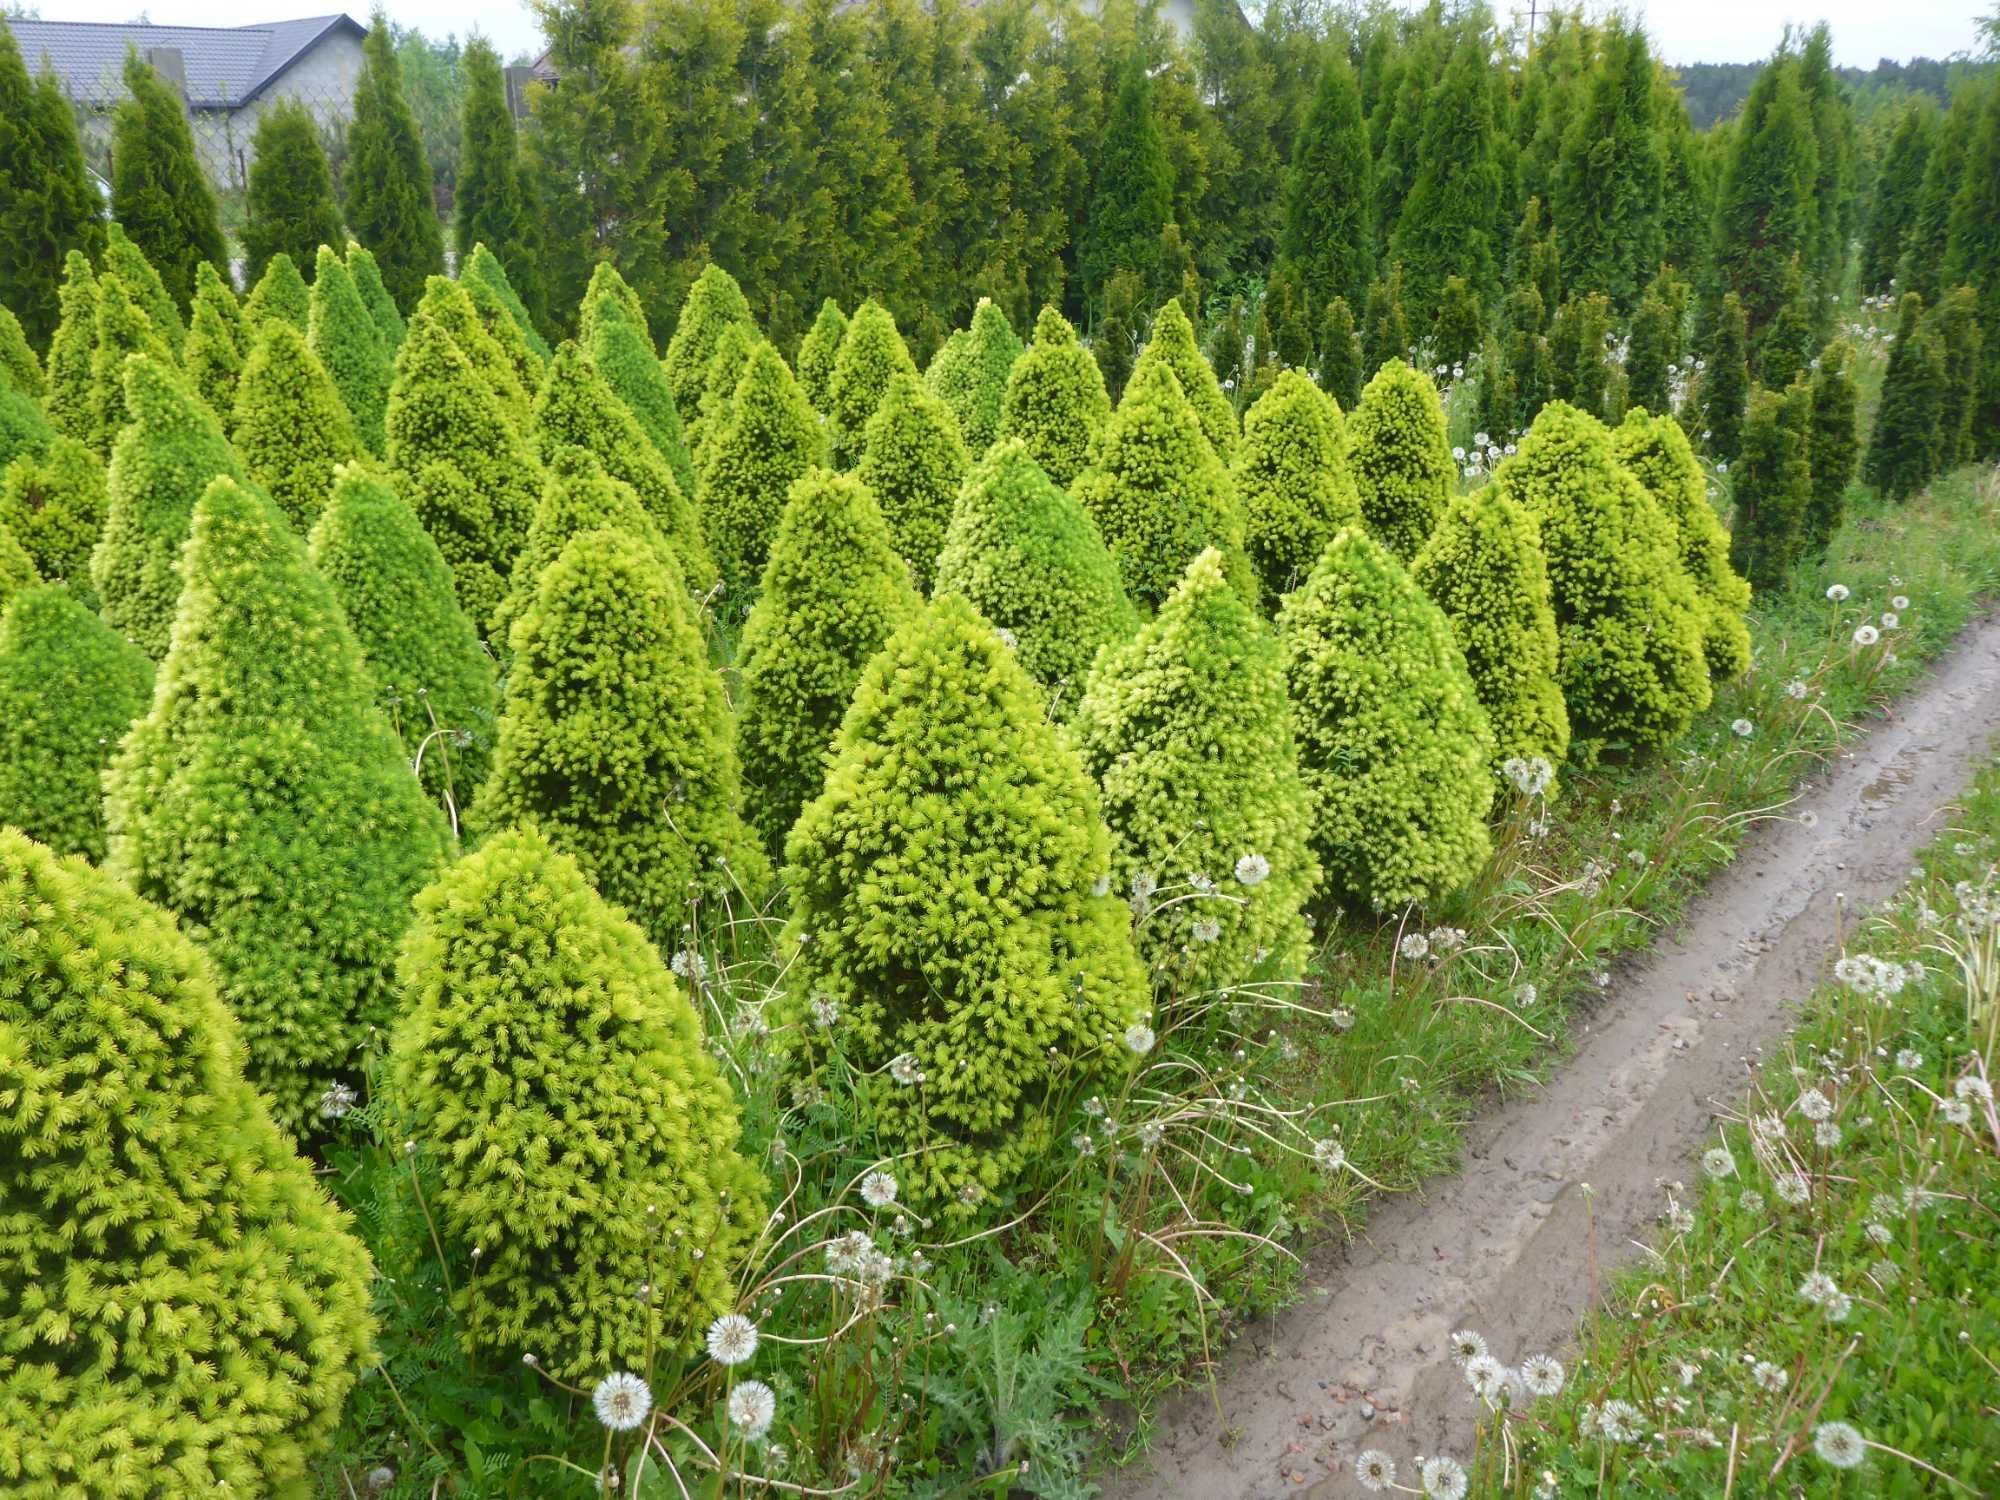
(227, 66)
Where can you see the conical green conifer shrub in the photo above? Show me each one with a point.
(1953, 326)
(367, 274)
(1654, 348)
(1725, 382)
(344, 338)
(1456, 333)
(1771, 484)
(1579, 368)
(608, 289)
(974, 385)
(23, 428)
(187, 1311)
(17, 569)
(872, 354)
(1659, 456)
(1483, 567)
(54, 503)
(71, 400)
(1634, 670)
(1292, 482)
(164, 461)
(615, 741)
(1903, 454)
(423, 655)
(1385, 328)
(265, 801)
(291, 428)
(1400, 458)
(211, 358)
(484, 266)
(1833, 448)
(1340, 354)
(130, 265)
(500, 326)
(771, 439)
(289, 206)
(625, 359)
(949, 940)
(1173, 344)
(833, 591)
(726, 363)
(515, 969)
(713, 302)
(123, 329)
(446, 303)
(20, 367)
(818, 350)
(1393, 744)
(1055, 400)
(280, 294)
(1032, 563)
(914, 463)
(386, 181)
(1187, 731)
(210, 288)
(69, 689)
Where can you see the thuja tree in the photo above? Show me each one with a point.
(1187, 731)
(423, 655)
(1953, 325)
(1329, 228)
(1339, 370)
(1634, 672)
(974, 382)
(946, 934)
(872, 353)
(1786, 349)
(1292, 482)
(1659, 456)
(833, 591)
(264, 766)
(1903, 452)
(1055, 400)
(1483, 566)
(69, 689)
(1385, 330)
(1392, 741)
(713, 303)
(212, 358)
(1580, 368)
(1771, 484)
(123, 330)
(1833, 449)
(280, 295)
(625, 359)
(164, 461)
(49, 209)
(615, 740)
(159, 192)
(187, 1311)
(367, 274)
(387, 181)
(291, 428)
(71, 399)
(1725, 383)
(289, 208)
(516, 968)
(490, 208)
(1898, 188)
(913, 462)
(54, 502)
(1654, 349)
(1172, 343)
(1400, 457)
(818, 350)
(1972, 259)
(771, 439)
(1030, 560)
(345, 340)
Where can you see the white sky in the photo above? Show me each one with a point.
(1682, 30)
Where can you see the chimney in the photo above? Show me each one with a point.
(171, 66)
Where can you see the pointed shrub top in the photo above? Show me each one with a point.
(1055, 400)
(501, 328)
(281, 294)
(1172, 343)
(367, 274)
(129, 264)
(447, 304)
(771, 438)
(1401, 458)
(713, 302)
(818, 350)
(484, 267)
(872, 353)
(291, 428)
(974, 383)
(914, 461)
(17, 569)
(608, 289)
(123, 329)
(71, 401)
(23, 428)
(212, 358)
(1292, 482)
(344, 338)
(726, 363)
(625, 359)
(19, 366)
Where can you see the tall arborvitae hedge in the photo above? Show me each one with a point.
(1580, 367)
(1610, 185)
(872, 354)
(1400, 458)
(833, 591)
(265, 801)
(1032, 563)
(1972, 259)
(1329, 229)
(1904, 450)
(615, 740)
(818, 350)
(1898, 187)
(1725, 382)
(489, 206)
(71, 400)
(1927, 240)
(289, 206)
(1786, 350)
(1393, 743)
(1447, 224)
(159, 191)
(347, 343)
(1766, 209)
(48, 206)
(1131, 197)
(54, 503)
(1954, 326)
(123, 330)
(974, 383)
(1483, 566)
(1654, 348)
(423, 653)
(1339, 369)
(188, 1311)
(291, 428)
(1834, 448)
(1659, 456)
(1055, 400)
(947, 935)
(163, 462)
(69, 689)
(713, 303)
(771, 438)
(387, 181)
(1292, 482)
(1173, 344)
(516, 969)
(1634, 672)
(1187, 730)
(367, 274)
(1771, 483)
(626, 361)
(914, 462)
(1385, 328)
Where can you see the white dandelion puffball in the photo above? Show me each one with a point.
(1742, 729)
(1815, 1106)
(1866, 635)
(1542, 1374)
(1909, 1058)
(1139, 1038)
(1839, 1445)
(1890, 619)
(752, 1405)
(903, 1067)
(825, 1011)
(1443, 1479)
(1207, 930)
(732, 1339)
(1900, 602)
(1973, 1090)
(1769, 1377)
(1252, 869)
(1718, 1163)
(1376, 1470)
(1955, 1112)
(1414, 946)
(1486, 1375)
(1467, 1346)
(1818, 1288)
(1792, 1188)
(1330, 1155)
(878, 1190)
(1796, 688)
(1837, 593)
(689, 965)
(1143, 884)
(622, 1400)
(1826, 1135)
(338, 1101)
(1621, 1422)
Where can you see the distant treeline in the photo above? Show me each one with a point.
(1716, 91)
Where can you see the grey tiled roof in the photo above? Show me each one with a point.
(227, 66)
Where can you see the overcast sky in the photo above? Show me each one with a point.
(1683, 30)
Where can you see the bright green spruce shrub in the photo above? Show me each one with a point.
(142, 282)
(1392, 741)
(447, 304)
(586, 1144)
(54, 502)
(1483, 567)
(367, 274)
(123, 329)
(423, 654)
(610, 293)
(505, 332)
(818, 350)
(344, 338)
(1187, 731)
(71, 399)
(212, 358)
(1659, 455)
(1400, 458)
(726, 363)
(23, 428)
(1055, 400)
(872, 354)
(1031, 561)
(1172, 343)
(973, 382)
(1634, 670)
(17, 569)
(265, 801)
(281, 294)
(625, 359)
(1157, 491)
(1292, 482)
(20, 366)
(914, 463)
(484, 267)
(164, 461)
(184, 1312)
(713, 303)
(771, 438)
(291, 429)
(615, 740)
(833, 591)
(69, 689)
(466, 471)
(948, 938)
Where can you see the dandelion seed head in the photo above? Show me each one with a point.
(1139, 1038)
(1718, 1163)
(1866, 635)
(1839, 1445)
(1486, 1376)
(622, 1400)
(732, 1339)
(1955, 1112)
(878, 1190)
(752, 1407)
(1414, 946)
(1466, 1345)
(1252, 869)
(1375, 1469)
(1742, 728)
(1443, 1479)
(1769, 1377)
(1542, 1374)
(1837, 593)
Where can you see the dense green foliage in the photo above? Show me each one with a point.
(1330, 192)
(289, 206)
(48, 206)
(490, 205)
(623, 357)
(212, 359)
(913, 461)
(770, 439)
(1400, 458)
(1055, 400)
(1292, 481)
(159, 191)
(818, 350)
(1903, 452)
(280, 295)
(1172, 344)
(291, 429)
(1833, 449)
(872, 354)
(346, 342)
(53, 504)
(71, 401)
(387, 181)
(971, 375)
